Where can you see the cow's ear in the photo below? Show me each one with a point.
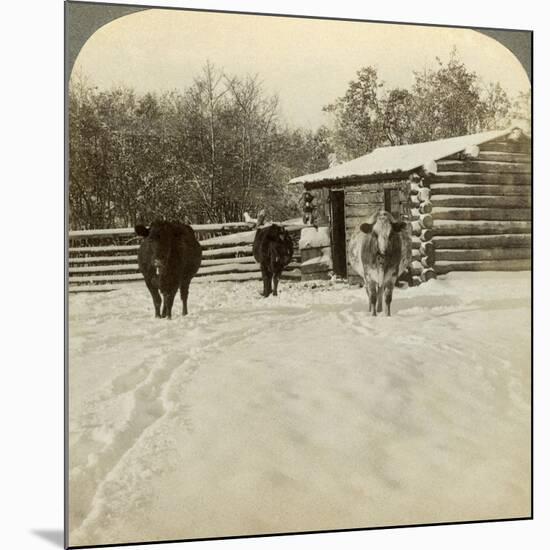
(398, 226)
(141, 230)
(366, 227)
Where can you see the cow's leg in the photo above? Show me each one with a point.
(367, 286)
(373, 295)
(184, 294)
(269, 279)
(266, 277)
(164, 302)
(157, 300)
(168, 303)
(388, 293)
(379, 298)
(276, 277)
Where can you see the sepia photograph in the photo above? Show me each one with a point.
(298, 274)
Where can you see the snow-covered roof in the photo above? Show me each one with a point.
(400, 158)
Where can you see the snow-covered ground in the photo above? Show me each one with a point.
(299, 412)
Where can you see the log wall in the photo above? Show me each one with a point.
(481, 208)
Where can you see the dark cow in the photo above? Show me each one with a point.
(273, 249)
(168, 257)
(380, 251)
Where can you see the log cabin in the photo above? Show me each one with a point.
(467, 198)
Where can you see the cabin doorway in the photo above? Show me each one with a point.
(391, 202)
(338, 232)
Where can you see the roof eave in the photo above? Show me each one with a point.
(354, 179)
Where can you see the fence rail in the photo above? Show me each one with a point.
(103, 259)
(130, 232)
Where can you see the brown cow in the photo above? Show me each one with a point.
(169, 257)
(272, 249)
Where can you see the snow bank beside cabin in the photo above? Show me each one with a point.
(300, 412)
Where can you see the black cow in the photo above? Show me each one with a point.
(273, 249)
(380, 251)
(168, 257)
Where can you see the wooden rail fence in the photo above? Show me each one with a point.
(102, 259)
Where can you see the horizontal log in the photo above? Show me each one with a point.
(228, 268)
(488, 214)
(102, 233)
(113, 249)
(234, 239)
(507, 146)
(78, 289)
(102, 259)
(316, 267)
(371, 186)
(479, 189)
(483, 201)
(238, 268)
(229, 226)
(222, 261)
(492, 156)
(130, 231)
(504, 156)
(364, 197)
(102, 278)
(239, 277)
(486, 178)
(481, 166)
(227, 252)
(103, 268)
(363, 211)
(87, 282)
(453, 227)
(483, 265)
(454, 254)
(244, 237)
(225, 268)
(483, 241)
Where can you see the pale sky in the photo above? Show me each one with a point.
(307, 62)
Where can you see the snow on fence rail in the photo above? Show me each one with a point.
(227, 256)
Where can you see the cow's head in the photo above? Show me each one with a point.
(383, 226)
(162, 237)
(276, 233)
